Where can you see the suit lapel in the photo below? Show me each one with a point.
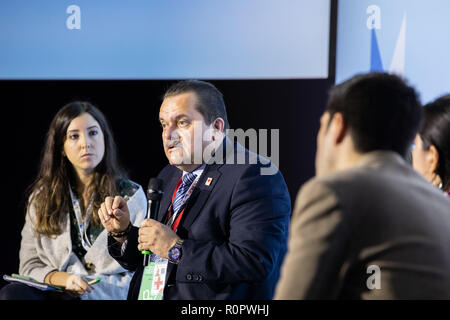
(197, 200)
(194, 205)
(200, 195)
(167, 197)
(202, 191)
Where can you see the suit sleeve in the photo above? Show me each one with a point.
(259, 213)
(130, 257)
(317, 244)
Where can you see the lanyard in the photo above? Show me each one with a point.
(176, 215)
(82, 225)
(154, 275)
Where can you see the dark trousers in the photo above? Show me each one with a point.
(19, 291)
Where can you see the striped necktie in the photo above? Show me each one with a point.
(187, 180)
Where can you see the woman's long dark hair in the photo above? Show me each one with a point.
(436, 132)
(49, 193)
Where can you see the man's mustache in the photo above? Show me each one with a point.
(173, 143)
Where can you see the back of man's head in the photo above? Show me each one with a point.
(381, 111)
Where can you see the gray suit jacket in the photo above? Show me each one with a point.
(377, 231)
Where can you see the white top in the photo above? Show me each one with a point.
(39, 255)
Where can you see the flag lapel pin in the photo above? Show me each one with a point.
(208, 181)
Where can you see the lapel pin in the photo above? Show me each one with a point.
(208, 181)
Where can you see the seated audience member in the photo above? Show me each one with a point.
(431, 154)
(368, 226)
(63, 240)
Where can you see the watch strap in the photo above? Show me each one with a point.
(176, 246)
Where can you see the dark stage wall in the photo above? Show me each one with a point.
(292, 106)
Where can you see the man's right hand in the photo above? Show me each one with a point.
(114, 214)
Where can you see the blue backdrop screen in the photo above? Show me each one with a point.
(164, 39)
(407, 37)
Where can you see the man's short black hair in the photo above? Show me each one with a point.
(210, 100)
(381, 111)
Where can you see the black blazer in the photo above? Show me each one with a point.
(235, 232)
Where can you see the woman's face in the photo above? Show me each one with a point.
(421, 159)
(84, 144)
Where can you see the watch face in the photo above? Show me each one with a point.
(174, 253)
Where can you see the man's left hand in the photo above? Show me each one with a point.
(156, 237)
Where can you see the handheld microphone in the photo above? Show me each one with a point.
(154, 195)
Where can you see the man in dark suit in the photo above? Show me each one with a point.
(368, 226)
(225, 232)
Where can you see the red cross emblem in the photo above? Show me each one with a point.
(158, 282)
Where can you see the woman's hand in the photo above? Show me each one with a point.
(69, 282)
(77, 285)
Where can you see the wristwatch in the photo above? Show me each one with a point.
(175, 252)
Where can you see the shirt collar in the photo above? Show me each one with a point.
(197, 171)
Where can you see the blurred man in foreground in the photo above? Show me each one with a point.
(368, 226)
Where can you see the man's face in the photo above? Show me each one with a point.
(183, 130)
(325, 147)
(422, 159)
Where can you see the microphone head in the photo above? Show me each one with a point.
(154, 191)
